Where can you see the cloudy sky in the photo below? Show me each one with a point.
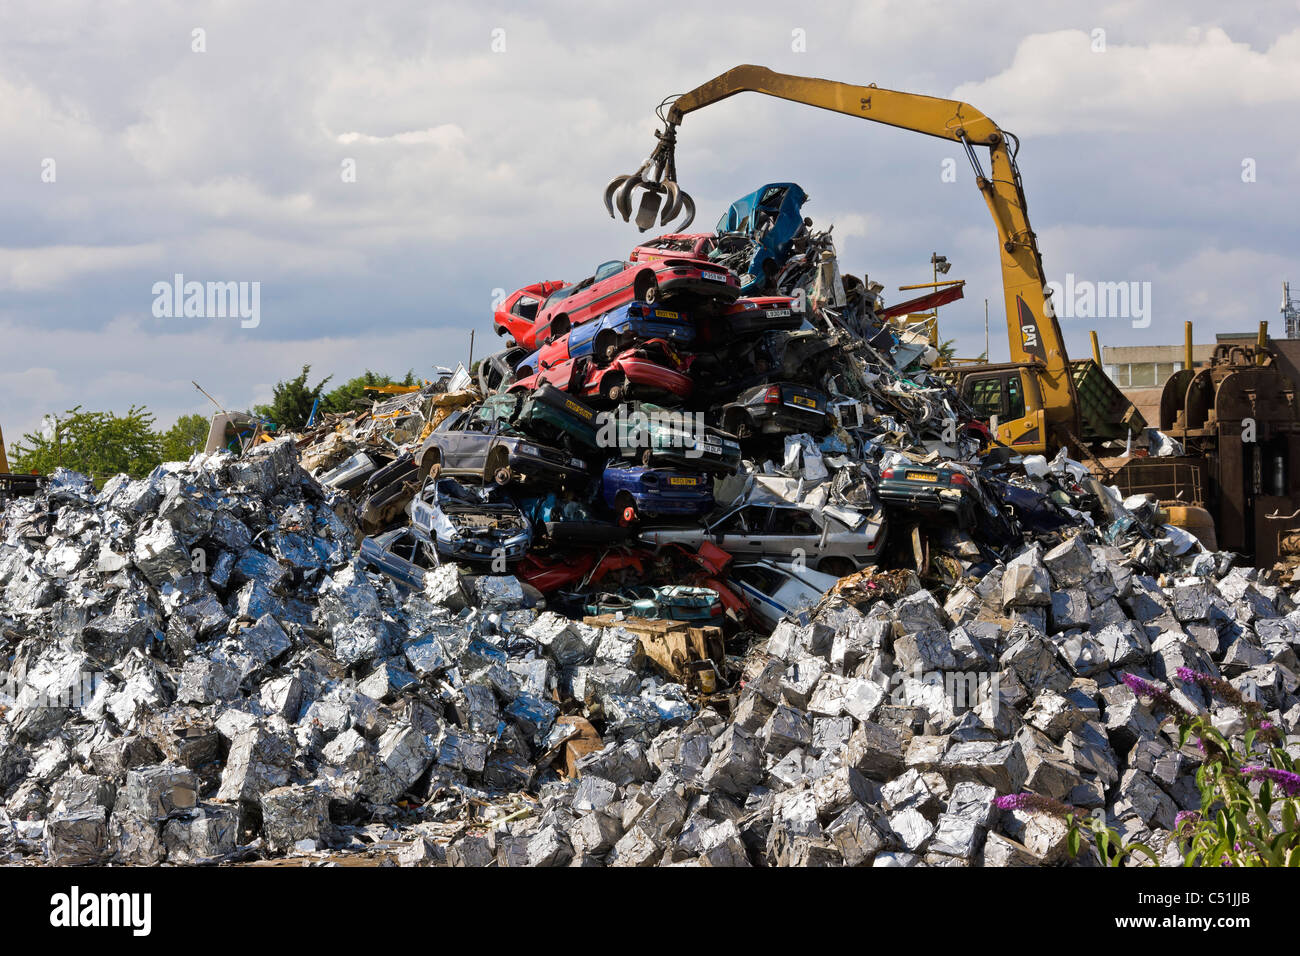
(481, 136)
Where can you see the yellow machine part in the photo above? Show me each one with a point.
(1195, 520)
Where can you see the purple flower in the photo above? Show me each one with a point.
(1285, 780)
(1037, 803)
(1143, 688)
(1185, 820)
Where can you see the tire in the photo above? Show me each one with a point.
(605, 347)
(647, 457)
(497, 467)
(613, 388)
(646, 289)
(559, 326)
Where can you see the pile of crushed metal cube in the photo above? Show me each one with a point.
(445, 631)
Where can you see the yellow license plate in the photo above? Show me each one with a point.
(578, 409)
(689, 482)
(804, 401)
(665, 314)
(922, 476)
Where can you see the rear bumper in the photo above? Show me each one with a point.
(694, 285)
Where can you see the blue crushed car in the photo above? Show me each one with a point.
(605, 337)
(771, 217)
(651, 492)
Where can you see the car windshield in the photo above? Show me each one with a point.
(607, 269)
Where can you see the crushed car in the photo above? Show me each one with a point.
(467, 523)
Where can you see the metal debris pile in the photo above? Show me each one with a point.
(792, 618)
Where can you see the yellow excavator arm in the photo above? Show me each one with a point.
(1033, 333)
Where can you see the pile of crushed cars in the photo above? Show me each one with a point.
(704, 570)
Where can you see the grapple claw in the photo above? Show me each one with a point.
(673, 204)
(623, 198)
(648, 209)
(657, 176)
(609, 193)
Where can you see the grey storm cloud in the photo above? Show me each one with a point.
(479, 169)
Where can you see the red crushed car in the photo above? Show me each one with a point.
(519, 310)
(653, 369)
(693, 245)
(616, 283)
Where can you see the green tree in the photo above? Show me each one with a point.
(351, 394)
(292, 401)
(188, 436)
(98, 444)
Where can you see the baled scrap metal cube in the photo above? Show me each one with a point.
(281, 696)
(156, 793)
(1054, 714)
(1070, 562)
(915, 790)
(876, 751)
(565, 642)
(205, 681)
(999, 765)
(594, 793)
(253, 565)
(259, 761)
(476, 708)
(80, 791)
(1141, 798)
(834, 792)
(620, 646)
(1070, 609)
(291, 815)
(736, 764)
(536, 676)
(549, 846)
(1025, 582)
(442, 586)
(630, 717)
(386, 681)
(160, 553)
(595, 832)
(721, 845)
(78, 838)
(1034, 660)
(785, 730)
(1088, 749)
(463, 750)
(471, 850)
(134, 840)
(911, 829)
(202, 835)
(1000, 851)
(800, 679)
(500, 592)
(363, 639)
(589, 683)
(956, 836)
(534, 715)
(253, 599)
(856, 835)
(350, 751)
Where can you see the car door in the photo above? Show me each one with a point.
(609, 289)
(741, 532)
(792, 532)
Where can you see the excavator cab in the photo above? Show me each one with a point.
(1008, 398)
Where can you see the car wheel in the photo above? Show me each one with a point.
(647, 289)
(605, 346)
(613, 388)
(647, 457)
